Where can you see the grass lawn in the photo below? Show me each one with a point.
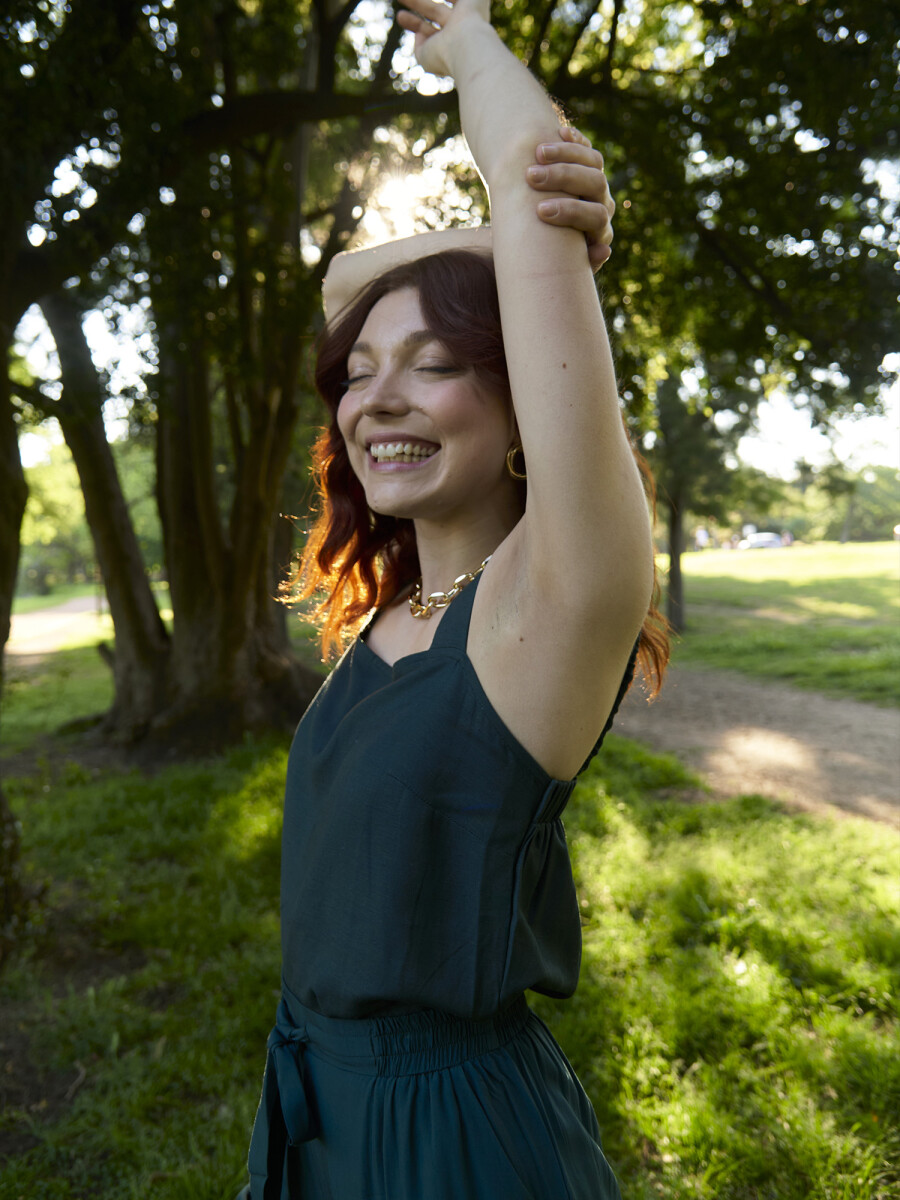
(59, 595)
(736, 1023)
(825, 617)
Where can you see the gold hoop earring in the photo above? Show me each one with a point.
(510, 464)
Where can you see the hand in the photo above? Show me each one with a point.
(571, 165)
(427, 19)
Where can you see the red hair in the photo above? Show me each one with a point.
(362, 559)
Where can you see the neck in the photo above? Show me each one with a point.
(445, 553)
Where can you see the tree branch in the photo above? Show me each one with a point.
(382, 72)
(563, 69)
(541, 33)
(280, 111)
(606, 73)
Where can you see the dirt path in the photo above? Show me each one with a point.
(744, 735)
(37, 633)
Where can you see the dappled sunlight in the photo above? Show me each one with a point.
(761, 745)
(246, 821)
(845, 610)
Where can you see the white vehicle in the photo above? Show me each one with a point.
(761, 541)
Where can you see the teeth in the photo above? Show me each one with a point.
(399, 452)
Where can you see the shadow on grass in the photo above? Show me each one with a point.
(153, 979)
(734, 1025)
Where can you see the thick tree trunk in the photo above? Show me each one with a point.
(675, 590)
(141, 653)
(232, 665)
(13, 494)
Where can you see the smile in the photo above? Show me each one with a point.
(405, 452)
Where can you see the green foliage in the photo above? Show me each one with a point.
(865, 508)
(822, 617)
(692, 454)
(56, 542)
(136, 465)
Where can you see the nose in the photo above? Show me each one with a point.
(385, 394)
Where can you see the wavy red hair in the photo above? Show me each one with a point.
(361, 559)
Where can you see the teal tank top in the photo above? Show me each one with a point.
(424, 861)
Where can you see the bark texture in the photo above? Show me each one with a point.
(13, 495)
(140, 657)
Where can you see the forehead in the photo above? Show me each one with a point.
(394, 318)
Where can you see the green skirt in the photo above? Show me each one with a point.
(423, 1106)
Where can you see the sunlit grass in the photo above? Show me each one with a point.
(825, 617)
(736, 1018)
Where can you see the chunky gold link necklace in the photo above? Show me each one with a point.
(440, 599)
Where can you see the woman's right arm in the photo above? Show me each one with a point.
(349, 272)
(585, 205)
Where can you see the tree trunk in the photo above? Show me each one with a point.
(232, 665)
(141, 653)
(675, 590)
(13, 495)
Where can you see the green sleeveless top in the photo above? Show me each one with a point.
(424, 862)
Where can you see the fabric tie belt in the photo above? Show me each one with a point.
(305, 1046)
(286, 1115)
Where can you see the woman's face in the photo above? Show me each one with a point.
(426, 438)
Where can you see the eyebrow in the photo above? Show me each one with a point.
(417, 338)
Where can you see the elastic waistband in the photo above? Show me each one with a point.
(408, 1044)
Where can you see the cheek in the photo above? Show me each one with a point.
(347, 416)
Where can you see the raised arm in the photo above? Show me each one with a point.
(570, 587)
(586, 518)
(586, 206)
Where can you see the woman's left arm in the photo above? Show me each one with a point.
(568, 589)
(586, 530)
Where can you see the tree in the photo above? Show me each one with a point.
(202, 181)
(690, 459)
(843, 505)
(56, 543)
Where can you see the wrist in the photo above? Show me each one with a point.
(460, 40)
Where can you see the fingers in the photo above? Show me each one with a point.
(590, 218)
(413, 23)
(569, 133)
(589, 183)
(567, 149)
(598, 254)
(426, 9)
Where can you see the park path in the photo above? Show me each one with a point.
(744, 735)
(34, 634)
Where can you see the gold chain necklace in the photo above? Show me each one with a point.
(440, 599)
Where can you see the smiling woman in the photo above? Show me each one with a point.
(475, 456)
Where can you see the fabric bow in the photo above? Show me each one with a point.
(286, 1116)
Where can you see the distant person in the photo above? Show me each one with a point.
(480, 494)
(701, 538)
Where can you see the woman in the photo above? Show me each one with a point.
(479, 491)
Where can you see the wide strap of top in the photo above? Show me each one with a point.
(453, 631)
